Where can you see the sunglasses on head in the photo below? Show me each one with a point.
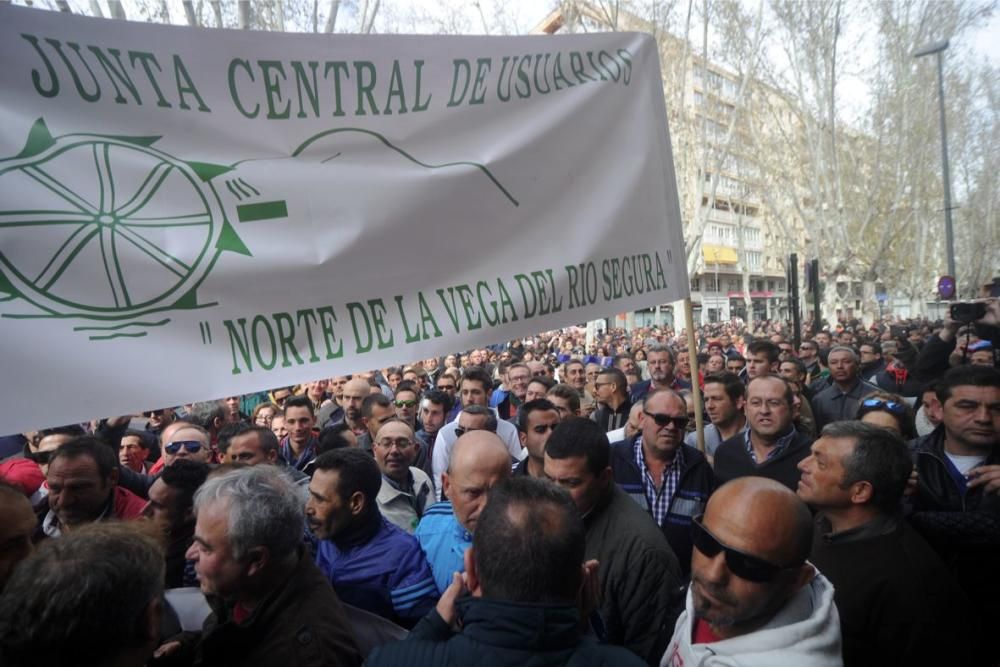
(880, 404)
(404, 404)
(680, 423)
(743, 565)
(192, 446)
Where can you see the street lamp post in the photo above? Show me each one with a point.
(938, 48)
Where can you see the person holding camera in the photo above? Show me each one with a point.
(983, 316)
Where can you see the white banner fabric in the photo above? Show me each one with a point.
(187, 214)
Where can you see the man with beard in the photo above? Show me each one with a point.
(753, 598)
(434, 408)
(355, 391)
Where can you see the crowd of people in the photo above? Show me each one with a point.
(544, 501)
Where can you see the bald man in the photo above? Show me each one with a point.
(478, 460)
(753, 598)
(355, 391)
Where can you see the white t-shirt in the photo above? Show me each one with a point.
(964, 463)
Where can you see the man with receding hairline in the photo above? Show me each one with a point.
(479, 459)
(771, 446)
(754, 600)
(406, 490)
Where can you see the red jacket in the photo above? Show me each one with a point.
(127, 504)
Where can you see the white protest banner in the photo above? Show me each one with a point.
(187, 214)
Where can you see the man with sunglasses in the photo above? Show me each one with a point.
(44, 444)
(771, 447)
(535, 422)
(871, 360)
(809, 355)
(895, 597)
(753, 598)
(406, 402)
(611, 392)
(188, 442)
(670, 480)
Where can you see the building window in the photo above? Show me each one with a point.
(695, 285)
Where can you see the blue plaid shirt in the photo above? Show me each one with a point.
(781, 445)
(659, 499)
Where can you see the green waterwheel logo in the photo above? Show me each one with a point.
(111, 228)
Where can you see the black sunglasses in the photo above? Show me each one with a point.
(680, 423)
(192, 446)
(41, 458)
(743, 565)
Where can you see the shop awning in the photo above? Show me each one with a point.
(715, 254)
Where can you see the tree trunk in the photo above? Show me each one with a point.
(189, 14)
(331, 20)
(244, 10)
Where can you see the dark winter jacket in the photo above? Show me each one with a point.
(639, 573)
(963, 525)
(732, 461)
(302, 624)
(895, 597)
(496, 633)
